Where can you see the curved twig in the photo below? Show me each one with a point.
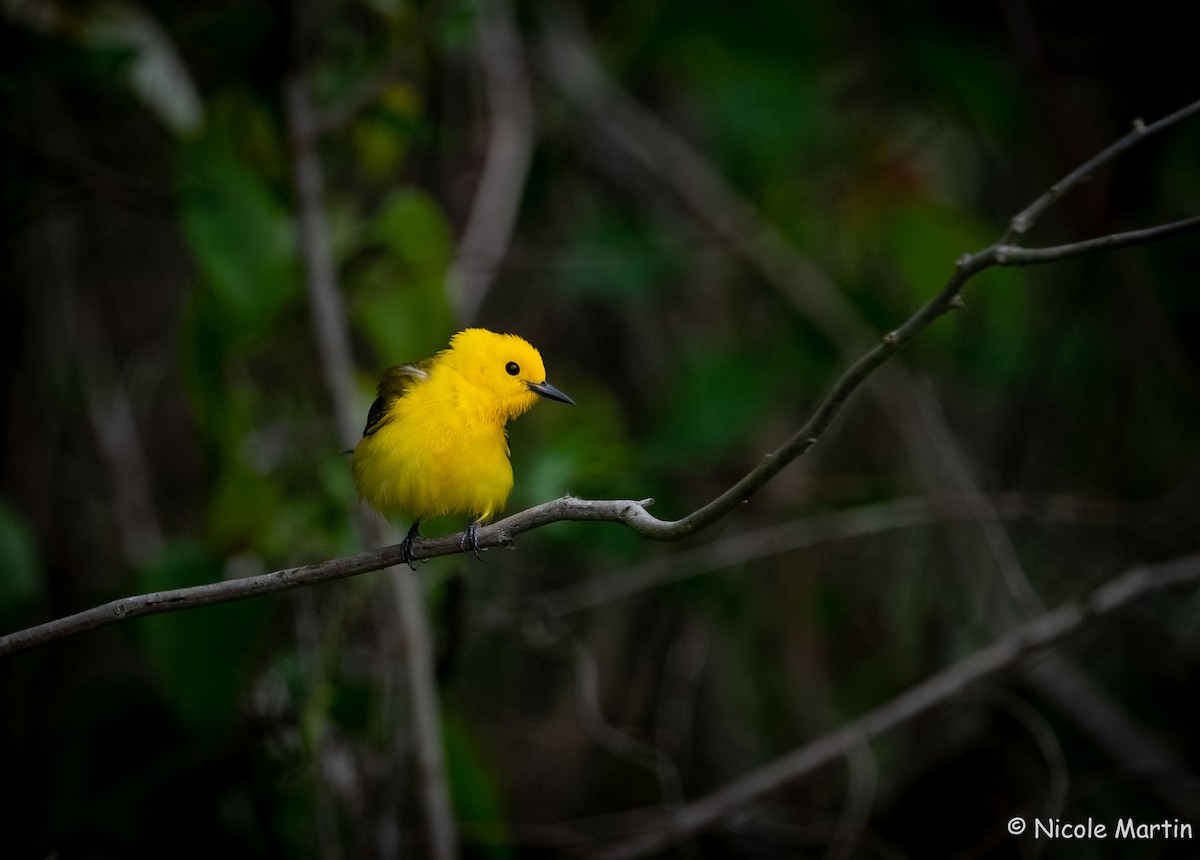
(1025, 219)
(633, 514)
(173, 600)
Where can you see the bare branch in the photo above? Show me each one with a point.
(630, 513)
(497, 534)
(1012, 255)
(1024, 220)
(746, 546)
(648, 141)
(747, 232)
(729, 550)
(1001, 655)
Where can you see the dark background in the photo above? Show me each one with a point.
(166, 421)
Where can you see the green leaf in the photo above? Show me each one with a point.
(403, 321)
(411, 225)
(399, 298)
(241, 237)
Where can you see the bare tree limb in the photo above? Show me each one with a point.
(1025, 219)
(632, 514)
(648, 142)
(802, 441)
(1002, 654)
(661, 152)
(729, 550)
(743, 547)
(1012, 255)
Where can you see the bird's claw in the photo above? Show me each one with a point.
(406, 547)
(470, 539)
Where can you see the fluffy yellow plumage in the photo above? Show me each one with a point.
(435, 442)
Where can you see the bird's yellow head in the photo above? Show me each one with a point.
(506, 370)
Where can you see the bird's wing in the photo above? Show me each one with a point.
(395, 383)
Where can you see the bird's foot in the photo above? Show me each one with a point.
(406, 546)
(470, 539)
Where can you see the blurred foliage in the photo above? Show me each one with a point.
(203, 663)
(400, 302)
(21, 577)
(151, 249)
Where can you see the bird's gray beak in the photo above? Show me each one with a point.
(547, 390)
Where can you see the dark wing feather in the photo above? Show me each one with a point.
(395, 383)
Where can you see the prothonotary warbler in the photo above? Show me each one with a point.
(435, 442)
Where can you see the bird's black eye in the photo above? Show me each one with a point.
(512, 368)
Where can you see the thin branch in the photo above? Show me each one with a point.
(743, 547)
(729, 550)
(649, 142)
(740, 225)
(1001, 655)
(1012, 255)
(632, 514)
(497, 534)
(433, 784)
(333, 118)
(1024, 220)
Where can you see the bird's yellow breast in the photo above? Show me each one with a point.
(439, 449)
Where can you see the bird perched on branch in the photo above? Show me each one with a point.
(435, 440)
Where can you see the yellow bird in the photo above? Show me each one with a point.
(435, 442)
